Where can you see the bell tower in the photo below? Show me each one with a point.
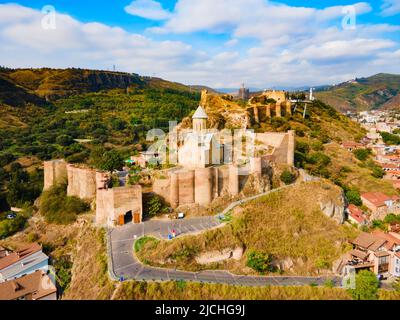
(200, 121)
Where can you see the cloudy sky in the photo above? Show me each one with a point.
(219, 43)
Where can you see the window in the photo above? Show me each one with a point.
(384, 260)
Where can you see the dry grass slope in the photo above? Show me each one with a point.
(287, 224)
(199, 291)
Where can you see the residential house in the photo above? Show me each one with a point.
(369, 253)
(380, 204)
(19, 263)
(35, 286)
(356, 215)
(392, 245)
(378, 252)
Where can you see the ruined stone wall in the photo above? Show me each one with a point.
(81, 182)
(278, 96)
(283, 143)
(55, 171)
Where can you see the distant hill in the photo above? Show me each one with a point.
(33, 85)
(38, 90)
(381, 91)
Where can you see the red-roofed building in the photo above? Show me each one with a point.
(380, 204)
(18, 263)
(356, 215)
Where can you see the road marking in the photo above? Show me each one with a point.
(128, 265)
(124, 240)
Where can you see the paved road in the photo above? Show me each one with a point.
(123, 263)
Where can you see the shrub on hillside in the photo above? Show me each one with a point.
(287, 177)
(362, 154)
(259, 261)
(390, 139)
(58, 208)
(6, 158)
(8, 227)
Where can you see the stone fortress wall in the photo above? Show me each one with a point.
(196, 182)
(54, 172)
(112, 204)
(81, 182)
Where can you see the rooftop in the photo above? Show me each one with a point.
(378, 198)
(391, 240)
(356, 213)
(16, 256)
(369, 241)
(36, 286)
(200, 114)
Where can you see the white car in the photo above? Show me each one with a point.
(11, 216)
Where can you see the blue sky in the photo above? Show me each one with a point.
(220, 43)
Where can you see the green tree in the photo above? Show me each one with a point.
(392, 218)
(64, 140)
(153, 205)
(366, 286)
(390, 139)
(353, 196)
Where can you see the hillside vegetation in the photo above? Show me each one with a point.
(379, 91)
(288, 225)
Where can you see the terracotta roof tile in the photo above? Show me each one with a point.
(378, 198)
(16, 256)
(369, 241)
(34, 286)
(356, 213)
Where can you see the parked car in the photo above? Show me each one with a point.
(11, 216)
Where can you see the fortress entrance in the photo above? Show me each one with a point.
(125, 218)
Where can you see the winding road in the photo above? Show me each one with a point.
(123, 265)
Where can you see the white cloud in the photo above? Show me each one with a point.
(76, 44)
(390, 7)
(231, 43)
(148, 9)
(290, 46)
